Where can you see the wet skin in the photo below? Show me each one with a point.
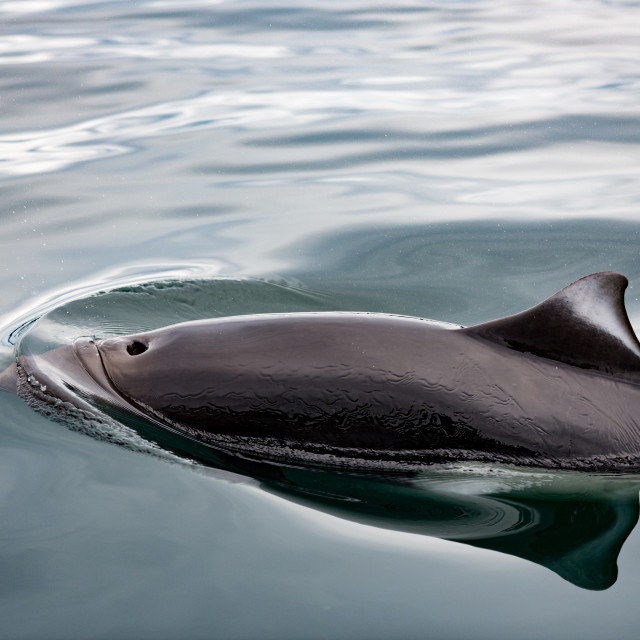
(557, 385)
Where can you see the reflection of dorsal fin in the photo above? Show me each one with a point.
(585, 325)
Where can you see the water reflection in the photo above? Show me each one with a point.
(572, 524)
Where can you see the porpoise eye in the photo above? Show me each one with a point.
(136, 348)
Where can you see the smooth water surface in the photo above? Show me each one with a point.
(167, 161)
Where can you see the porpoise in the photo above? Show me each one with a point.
(555, 386)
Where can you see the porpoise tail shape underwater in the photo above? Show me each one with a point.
(556, 386)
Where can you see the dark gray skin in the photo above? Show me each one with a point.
(556, 386)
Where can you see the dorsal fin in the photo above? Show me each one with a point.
(585, 325)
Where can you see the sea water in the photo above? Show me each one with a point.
(167, 161)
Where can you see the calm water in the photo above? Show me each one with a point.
(163, 161)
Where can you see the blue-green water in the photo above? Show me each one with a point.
(169, 161)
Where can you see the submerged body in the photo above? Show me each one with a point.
(558, 385)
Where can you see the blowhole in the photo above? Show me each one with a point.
(136, 348)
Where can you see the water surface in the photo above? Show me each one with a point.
(453, 160)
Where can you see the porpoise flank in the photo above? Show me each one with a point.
(555, 386)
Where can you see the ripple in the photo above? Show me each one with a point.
(464, 71)
(41, 151)
(54, 149)
(29, 49)
(33, 6)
